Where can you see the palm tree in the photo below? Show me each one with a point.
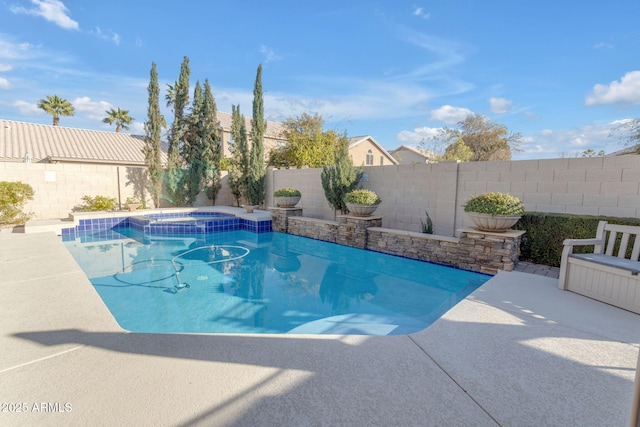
(57, 107)
(120, 117)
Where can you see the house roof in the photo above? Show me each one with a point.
(635, 149)
(355, 140)
(274, 129)
(45, 143)
(418, 151)
(54, 143)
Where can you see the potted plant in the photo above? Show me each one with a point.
(287, 197)
(132, 204)
(494, 211)
(361, 202)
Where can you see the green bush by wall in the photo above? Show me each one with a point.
(542, 244)
(13, 196)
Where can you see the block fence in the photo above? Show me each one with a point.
(607, 186)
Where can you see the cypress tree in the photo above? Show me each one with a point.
(152, 151)
(340, 178)
(255, 184)
(179, 101)
(191, 149)
(211, 154)
(239, 170)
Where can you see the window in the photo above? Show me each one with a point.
(381, 160)
(369, 160)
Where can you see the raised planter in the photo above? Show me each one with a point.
(493, 223)
(361, 210)
(286, 202)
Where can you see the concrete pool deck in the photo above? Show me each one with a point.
(518, 351)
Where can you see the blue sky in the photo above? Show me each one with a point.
(562, 73)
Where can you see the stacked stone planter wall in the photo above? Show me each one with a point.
(352, 230)
(280, 218)
(485, 252)
(318, 229)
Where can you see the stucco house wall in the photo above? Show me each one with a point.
(359, 147)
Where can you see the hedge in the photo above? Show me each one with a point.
(545, 232)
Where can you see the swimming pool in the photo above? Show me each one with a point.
(244, 282)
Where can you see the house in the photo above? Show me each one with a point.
(366, 151)
(406, 155)
(37, 143)
(634, 149)
(271, 139)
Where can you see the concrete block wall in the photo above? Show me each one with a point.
(607, 186)
(59, 187)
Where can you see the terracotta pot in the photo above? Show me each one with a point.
(494, 223)
(361, 210)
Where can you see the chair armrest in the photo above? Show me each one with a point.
(582, 242)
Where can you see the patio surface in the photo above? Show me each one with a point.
(518, 351)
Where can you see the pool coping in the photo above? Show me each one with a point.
(516, 351)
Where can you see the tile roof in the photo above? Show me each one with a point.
(55, 143)
(419, 151)
(274, 129)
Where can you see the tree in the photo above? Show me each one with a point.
(458, 151)
(152, 149)
(340, 178)
(212, 143)
(57, 107)
(486, 139)
(592, 153)
(630, 130)
(306, 143)
(239, 169)
(120, 117)
(180, 99)
(255, 183)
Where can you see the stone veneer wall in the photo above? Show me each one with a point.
(474, 250)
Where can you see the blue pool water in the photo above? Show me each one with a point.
(244, 282)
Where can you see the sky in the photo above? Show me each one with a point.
(564, 74)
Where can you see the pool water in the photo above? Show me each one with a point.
(244, 282)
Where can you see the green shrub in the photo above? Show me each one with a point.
(13, 196)
(495, 204)
(287, 192)
(545, 232)
(427, 226)
(98, 203)
(362, 197)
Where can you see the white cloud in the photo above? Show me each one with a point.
(109, 35)
(26, 108)
(603, 45)
(625, 91)
(418, 135)
(269, 54)
(569, 142)
(421, 13)
(4, 83)
(500, 105)
(94, 110)
(5, 67)
(10, 50)
(52, 10)
(450, 115)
